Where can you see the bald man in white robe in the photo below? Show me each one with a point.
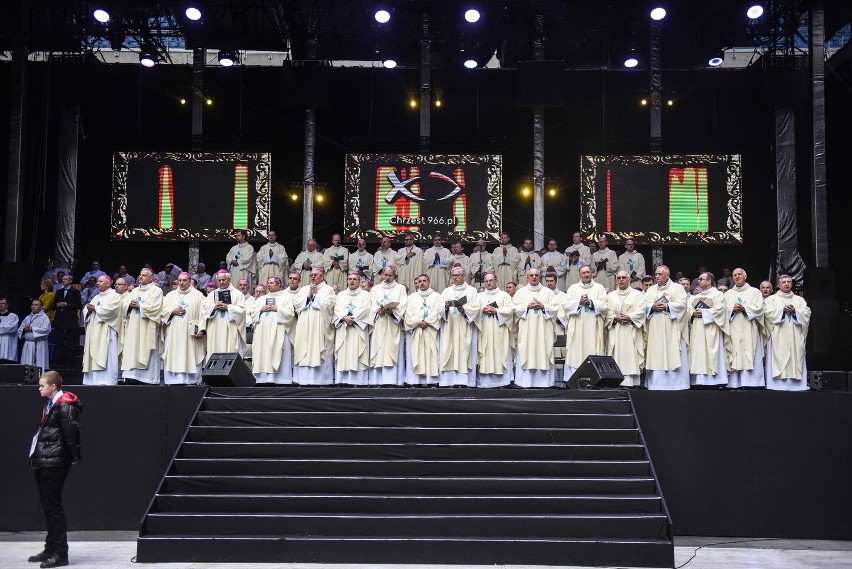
(225, 318)
(273, 316)
(104, 316)
(535, 314)
(183, 341)
(495, 345)
(745, 325)
(422, 339)
(505, 260)
(353, 316)
(459, 332)
(313, 347)
(666, 358)
(140, 354)
(625, 322)
(387, 348)
(583, 313)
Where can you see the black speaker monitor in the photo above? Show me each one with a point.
(19, 373)
(596, 372)
(227, 370)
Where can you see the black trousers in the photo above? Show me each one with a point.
(66, 339)
(50, 482)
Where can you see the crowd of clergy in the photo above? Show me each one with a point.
(433, 317)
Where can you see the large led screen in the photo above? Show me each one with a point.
(450, 195)
(183, 196)
(662, 199)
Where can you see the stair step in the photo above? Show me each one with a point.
(413, 451)
(407, 550)
(418, 393)
(403, 467)
(413, 419)
(418, 405)
(406, 485)
(407, 503)
(642, 526)
(412, 435)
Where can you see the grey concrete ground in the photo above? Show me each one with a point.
(116, 550)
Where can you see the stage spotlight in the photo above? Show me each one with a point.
(209, 102)
(382, 16)
(471, 63)
(294, 197)
(319, 198)
(228, 58)
(193, 13)
(389, 63)
(182, 101)
(147, 58)
(670, 102)
(412, 102)
(101, 15)
(472, 15)
(755, 11)
(438, 102)
(525, 191)
(631, 60)
(658, 13)
(644, 102)
(715, 61)
(552, 192)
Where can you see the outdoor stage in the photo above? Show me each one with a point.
(753, 463)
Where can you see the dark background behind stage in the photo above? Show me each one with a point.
(716, 111)
(755, 464)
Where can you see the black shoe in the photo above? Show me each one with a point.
(54, 561)
(40, 557)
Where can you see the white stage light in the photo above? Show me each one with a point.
(471, 63)
(472, 16)
(101, 15)
(193, 13)
(658, 13)
(755, 11)
(389, 63)
(382, 16)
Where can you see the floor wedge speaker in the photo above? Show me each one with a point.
(596, 372)
(227, 370)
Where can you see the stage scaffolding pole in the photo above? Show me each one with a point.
(425, 86)
(818, 173)
(309, 177)
(656, 87)
(199, 60)
(538, 147)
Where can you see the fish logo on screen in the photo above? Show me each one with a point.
(430, 203)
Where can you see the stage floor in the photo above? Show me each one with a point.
(115, 550)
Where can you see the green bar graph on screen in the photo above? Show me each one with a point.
(688, 200)
(240, 196)
(166, 203)
(402, 208)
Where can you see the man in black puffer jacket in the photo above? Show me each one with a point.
(56, 446)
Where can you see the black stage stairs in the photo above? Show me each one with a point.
(392, 475)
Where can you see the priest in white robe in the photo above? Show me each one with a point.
(666, 359)
(625, 324)
(104, 317)
(581, 248)
(459, 332)
(495, 343)
(527, 259)
(505, 259)
(353, 314)
(708, 324)
(478, 265)
(787, 318)
(572, 268)
(632, 262)
(387, 348)
(555, 262)
(241, 259)
(457, 257)
(335, 261)
(360, 260)
(34, 329)
(745, 330)
(183, 339)
(583, 313)
(436, 260)
(313, 346)
(225, 318)
(409, 262)
(9, 323)
(383, 257)
(306, 261)
(604, 264)
(140, 354)
(271, 259)
(535, 313)
(422, 339)
(273, 316)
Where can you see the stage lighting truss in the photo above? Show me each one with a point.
(228, 57)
